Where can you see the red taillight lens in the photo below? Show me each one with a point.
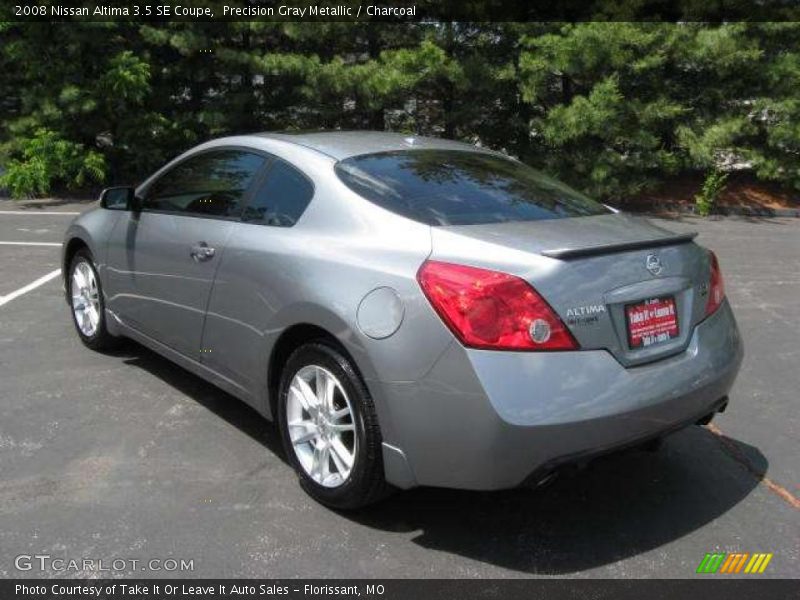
(716, 287)
(493, 310)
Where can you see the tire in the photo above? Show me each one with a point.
(94, 335)
(365, 482)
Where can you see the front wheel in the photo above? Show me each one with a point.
(86, 301)
(329, 428)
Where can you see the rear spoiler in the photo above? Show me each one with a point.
(610, 248)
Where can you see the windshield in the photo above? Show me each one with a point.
(447, 187)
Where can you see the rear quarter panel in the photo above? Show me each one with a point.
(318, 272)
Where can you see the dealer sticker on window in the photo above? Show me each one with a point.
(652, 321)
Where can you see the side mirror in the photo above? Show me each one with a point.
(120, 198)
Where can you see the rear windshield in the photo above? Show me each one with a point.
(446, 187)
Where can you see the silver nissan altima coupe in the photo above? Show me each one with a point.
(411, 311)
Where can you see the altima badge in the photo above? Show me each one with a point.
(585, 315)
(653, 264)
(586, 311)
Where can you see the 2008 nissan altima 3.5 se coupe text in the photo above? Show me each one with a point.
(411, 311)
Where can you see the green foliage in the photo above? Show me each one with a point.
(713, 185)
(127, 78)
(47, 160)
(613, 108)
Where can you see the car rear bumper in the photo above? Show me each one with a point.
(490, 420)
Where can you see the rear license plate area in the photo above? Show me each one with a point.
(652, 321)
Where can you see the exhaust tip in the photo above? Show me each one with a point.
(723, 404)
(706, 420)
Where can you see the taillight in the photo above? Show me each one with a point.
(492, 310)
(716, 287)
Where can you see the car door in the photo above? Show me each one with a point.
(162, 259)
(256, 276)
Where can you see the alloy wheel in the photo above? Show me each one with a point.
(321, 426)
(85, 298)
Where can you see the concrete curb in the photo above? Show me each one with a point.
(42, 204)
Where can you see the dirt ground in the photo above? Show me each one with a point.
(741, 191)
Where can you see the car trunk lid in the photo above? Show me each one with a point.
(598, 273)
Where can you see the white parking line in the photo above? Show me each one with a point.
(37, 212)
(30, 243)
(31, 286)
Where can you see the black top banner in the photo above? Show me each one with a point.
(404, 10)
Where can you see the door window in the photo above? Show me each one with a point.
(208, 184)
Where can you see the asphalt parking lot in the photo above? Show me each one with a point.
(126, 456)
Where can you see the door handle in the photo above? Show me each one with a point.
(202, 251)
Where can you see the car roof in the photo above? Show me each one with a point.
(344, 144)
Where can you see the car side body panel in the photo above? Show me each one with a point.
(318, 272)
(152, 282)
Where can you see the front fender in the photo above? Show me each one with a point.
(93, 230)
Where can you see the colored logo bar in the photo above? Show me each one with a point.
(734, 562)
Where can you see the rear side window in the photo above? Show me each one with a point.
(212, 184)
(446, 187)
(282, 198)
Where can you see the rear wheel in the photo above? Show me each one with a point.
(329, 428)
(86, 301)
